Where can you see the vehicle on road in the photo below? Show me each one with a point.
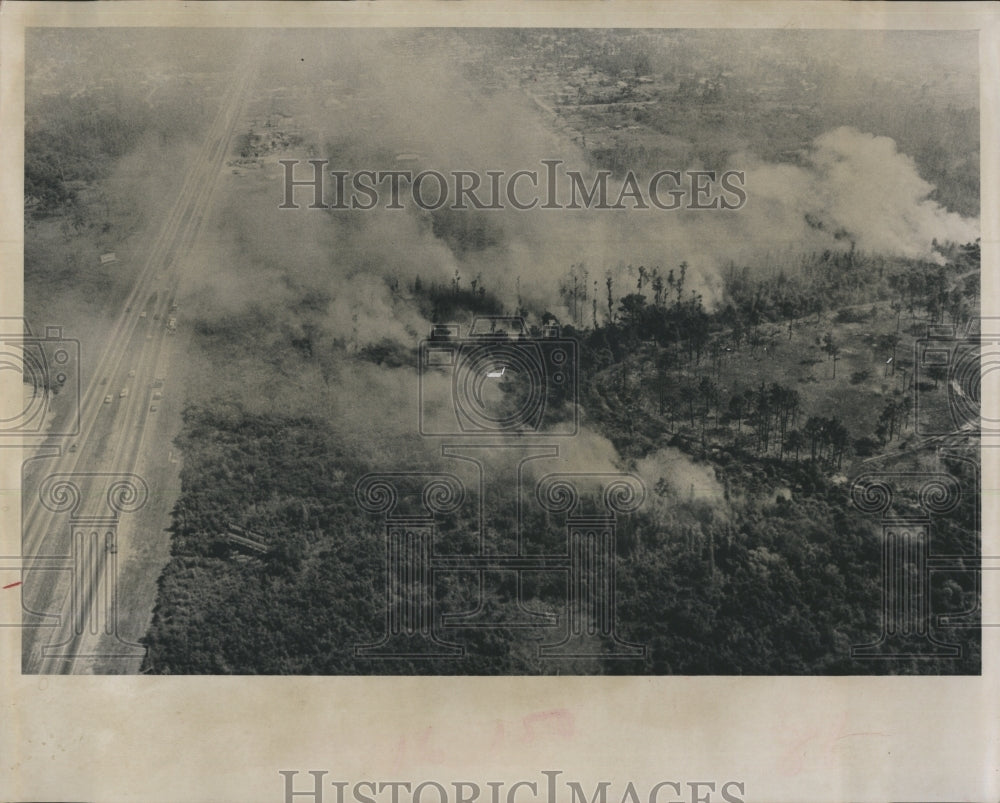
(107, 400)
(172, 324)
(153, 408)
(123, 394)
(72, 447)
(142, 314)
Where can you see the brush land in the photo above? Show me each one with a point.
(746, 368)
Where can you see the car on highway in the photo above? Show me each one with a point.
(123, 394)
(107, 400)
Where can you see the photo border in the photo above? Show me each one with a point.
(220, 739)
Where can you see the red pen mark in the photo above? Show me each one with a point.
(11, 585)
(815, 746)
(557, 722)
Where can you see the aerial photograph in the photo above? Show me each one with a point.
(500, 351)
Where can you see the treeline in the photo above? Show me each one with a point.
(780, 578)
(318, 591)
(447, 301)
(72, 141)
(653, 358)
(657, 365)
(775, 574)
(297, 607)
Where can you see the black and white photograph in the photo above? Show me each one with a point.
(533, 349)
(522, 351)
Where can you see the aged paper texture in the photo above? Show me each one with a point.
(499, 402)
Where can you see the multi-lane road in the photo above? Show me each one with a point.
(72, 536)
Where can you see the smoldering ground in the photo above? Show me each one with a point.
(846, 188)
(319, 312)
(311, 320)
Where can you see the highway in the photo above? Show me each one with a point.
(120, 401)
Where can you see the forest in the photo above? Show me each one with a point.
(748, 415)
(764, 566)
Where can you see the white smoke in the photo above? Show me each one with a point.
(854, 187)
(347, 276)
(669, 472)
